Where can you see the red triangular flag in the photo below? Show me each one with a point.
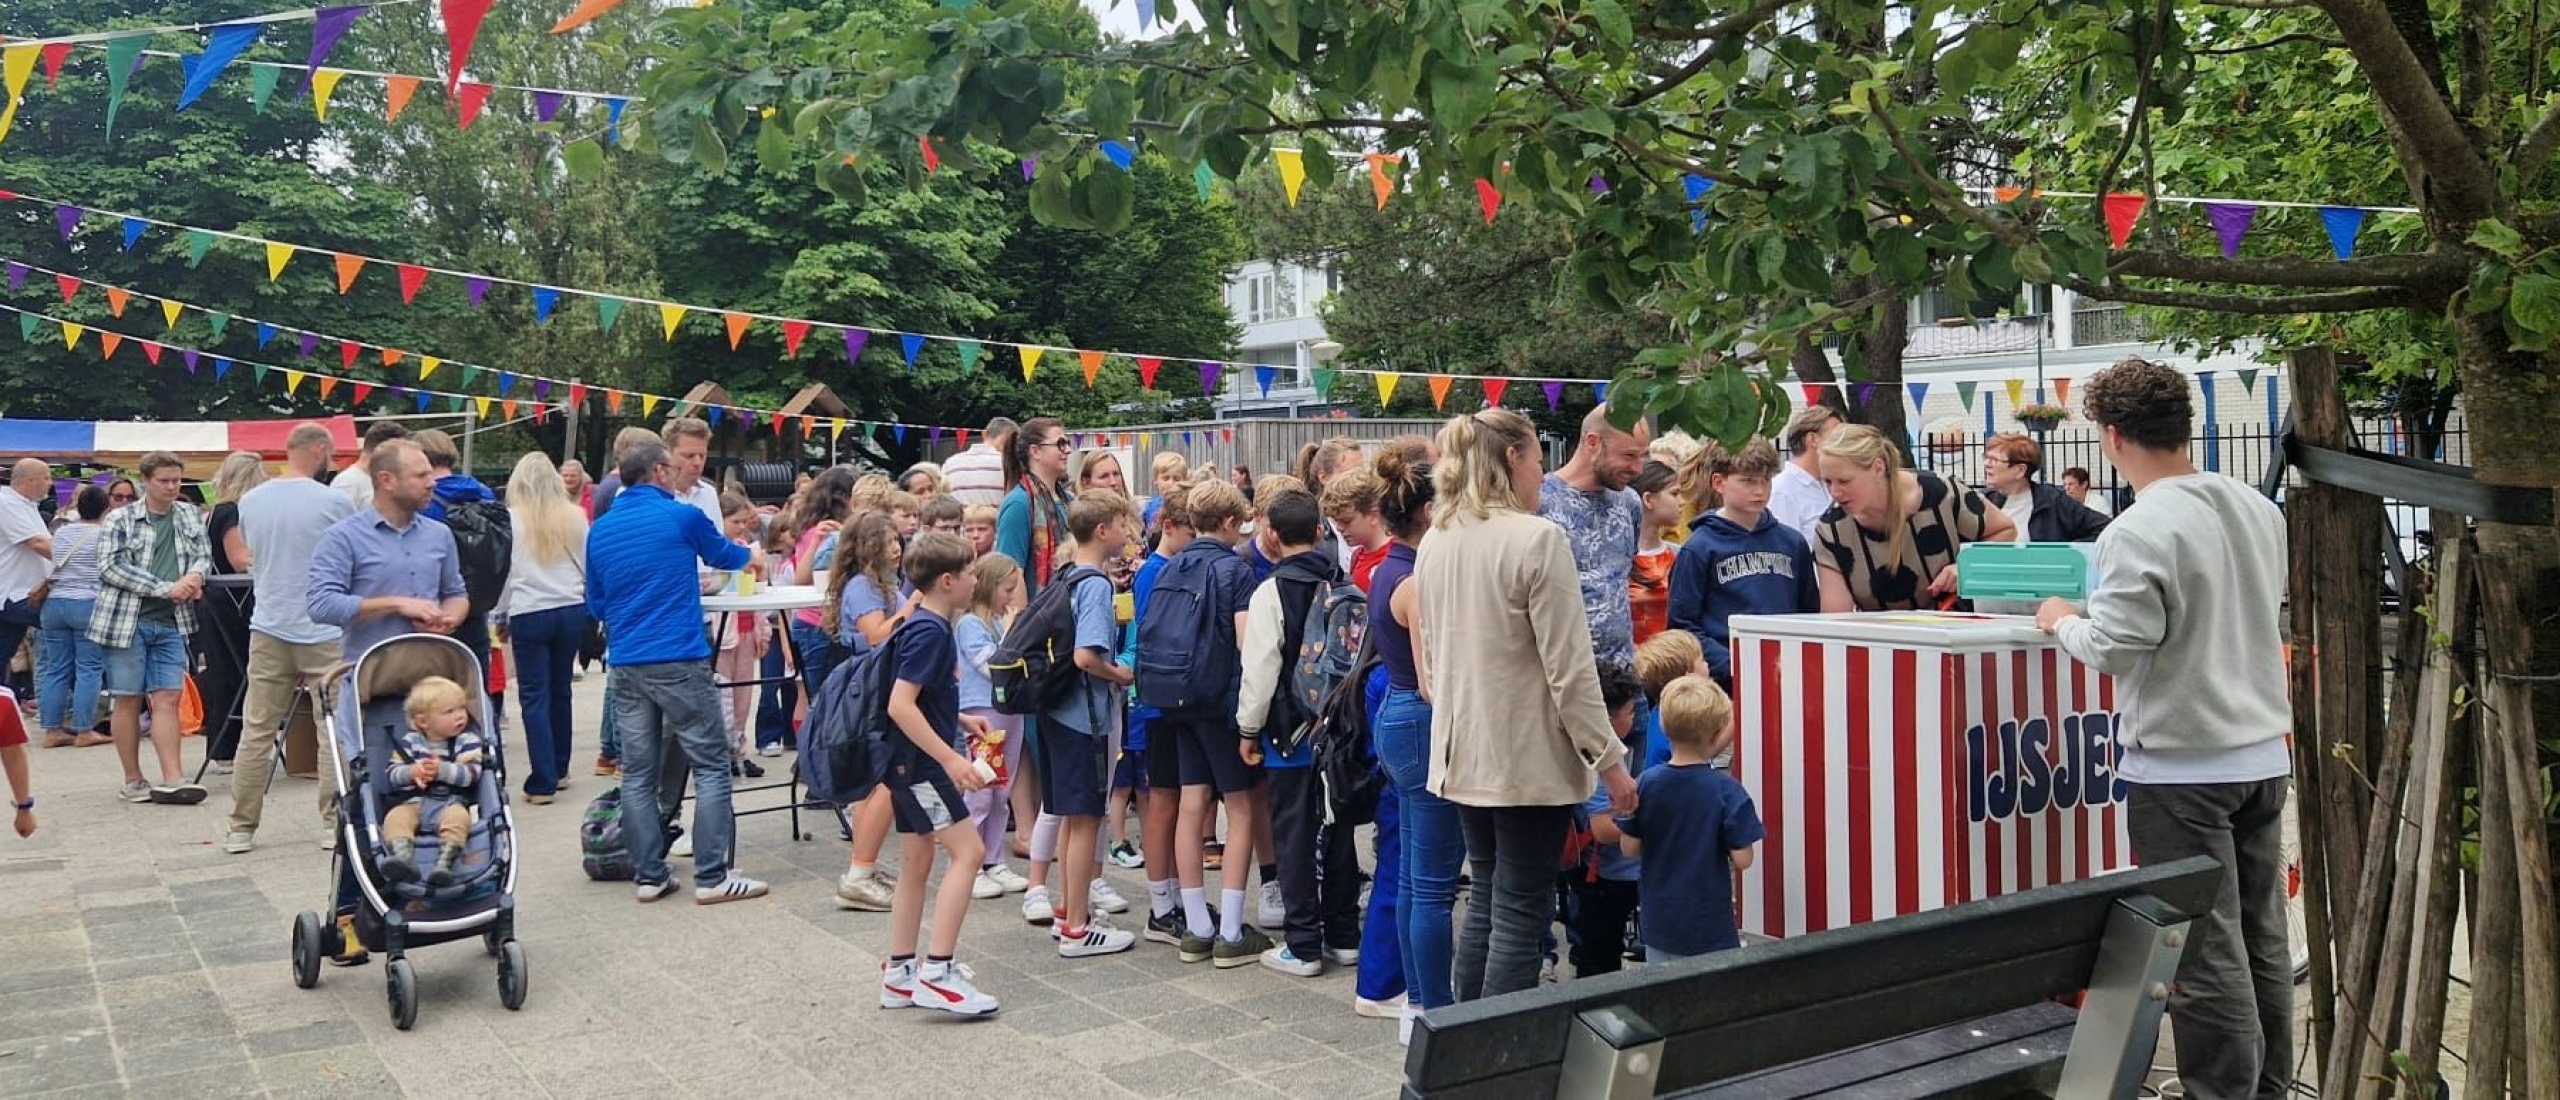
(778, 422)
(1488, 197)
(1813, 393)
(2123, 209)
(347, 350)
(578, 395)
(737, 323)
(467, 101)
(792, 333)
(363, 390)
(542, 414)
(1493, 390)
(151, 351)
(70, 285)
(1147, 371)
(962, 434)
(932, 160)
(461, 27)
(411, 278)
(54, 53)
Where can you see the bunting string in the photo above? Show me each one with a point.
(91, 38)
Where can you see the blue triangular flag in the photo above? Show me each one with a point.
(715, 416)
(133, 228)
(912, 343)
(424, 399)
(613, 119)
(1263, 376)
(1919, 396)
(543, 299)
(1146, 13)
(222, 45)
(221, 367)
(266, 334)
(1696, 187)
(899, 430)
(2343, 223)
(1600, 392)
(507, 385)
(1119, 154)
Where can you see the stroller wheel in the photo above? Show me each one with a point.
(513, 979)
(404, 994)
(490, 942)
(307, 931)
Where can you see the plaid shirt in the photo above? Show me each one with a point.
(124, 570)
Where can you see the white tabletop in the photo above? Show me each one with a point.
(782, 597)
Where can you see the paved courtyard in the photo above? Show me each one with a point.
(136, 958)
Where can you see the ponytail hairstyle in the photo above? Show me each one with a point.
(1862, 444)
(1316, 461)
(1404, 498)
(1473, 476)
(1017, 450)
(992, 571)
(863, 547)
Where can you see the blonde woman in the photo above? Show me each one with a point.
(1889, 541)
(227, 612)
(546, 602)
(1518, 732)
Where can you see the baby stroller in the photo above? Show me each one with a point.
(363, 705)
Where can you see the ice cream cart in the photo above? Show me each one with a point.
(1906, 761)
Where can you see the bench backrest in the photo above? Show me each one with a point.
(1771, 1004)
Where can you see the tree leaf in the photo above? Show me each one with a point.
(2533, 303)
(707, 148)
(584, 158)
(773, 147)
(1615, 28)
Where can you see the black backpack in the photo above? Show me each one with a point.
(844, 743)
(1187, 657)
(1346, 758)
(485, 541)
(1035, 664)
(601, 852)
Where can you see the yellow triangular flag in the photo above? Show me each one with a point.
(1030, 358)
(1092, 366)
(278, 254)
(484, 406)
(292, 380)
(427, 365)
(171, 308)
(17, 63)
(1439, 384)
(2017, 392)
(670, 315)
(71, 335)
(324, 83)
(648, 404)
(836, 430)
(1387, 386)
(1293, 171)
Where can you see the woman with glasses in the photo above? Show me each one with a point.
(1890, 540)
(121, 492)
(1031, 526)
(2042, 512)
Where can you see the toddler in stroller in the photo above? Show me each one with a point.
(435, 768)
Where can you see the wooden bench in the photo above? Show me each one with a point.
(1966, 1001)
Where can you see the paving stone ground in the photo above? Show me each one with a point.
(136, 958)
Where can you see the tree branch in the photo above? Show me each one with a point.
(1759, 12)
(1736, 23)
(2279, 40)
(2351, 301)
(2534, 150)
(2444, 171)
(1947, 197)
(2419, 271)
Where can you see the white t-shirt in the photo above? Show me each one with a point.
(1798, 500)
(356, 483)
(21, 568)
(976, 476)
(534, 585)
(2019, 507)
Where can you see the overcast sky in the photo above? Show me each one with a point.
(1120, 17)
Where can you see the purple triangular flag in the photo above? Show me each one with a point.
(935, 435)
(17, 276)
(1209, 376)
(478, 287)
(1030, 167)
(546, 105)
(327, 27)
(1264, 375)
(66, 219)
(1555, 394)
(1866, 390)
(310, 344)
(2230, 223)
(190, 355)
(2343, 223)
(854, 339)
(1599, 186)
(542, 389)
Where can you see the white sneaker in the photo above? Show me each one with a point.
(1036, 907)
(1279, 958)
(736, 887)
(136, 791)
(946, 986)
(1275, 913)
(770, 751)
(1013, 881)
(1342, 956)
(682, 848)
(986, 886)
(1098, 939)
(1404, 1023)
(1103, 899)
(1390, 1009)
(870, 893)
(239, 842)
(898, 984)
(220, 767)
(652, 891)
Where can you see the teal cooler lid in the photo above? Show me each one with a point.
(2029, 571)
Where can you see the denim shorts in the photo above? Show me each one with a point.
(155, 661)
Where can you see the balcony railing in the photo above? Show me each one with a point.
(2107, 325)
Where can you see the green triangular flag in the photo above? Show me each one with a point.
(197, 242)
(457, 401)
(1324, 385)
(969, 350)
(469, 373)
(27, 323)
(2249, 380)
(608, 310)
(260, 370)
(122, 53)
(219, 321)
(1964, 393)
(262, 83)
(1202, 175)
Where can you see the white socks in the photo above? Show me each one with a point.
(1231, 917)
(1195, 912)
(1160, 898)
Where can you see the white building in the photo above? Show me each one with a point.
(1275, 302)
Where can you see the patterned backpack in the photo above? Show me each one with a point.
(600, 847)
(1329, 637)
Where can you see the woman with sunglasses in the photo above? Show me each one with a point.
(121, 492)
(1031, 526)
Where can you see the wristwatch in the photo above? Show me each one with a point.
(29, 804)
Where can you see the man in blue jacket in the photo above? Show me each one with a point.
(1739, 560)
(641, 585)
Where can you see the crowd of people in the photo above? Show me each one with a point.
(1544, 677)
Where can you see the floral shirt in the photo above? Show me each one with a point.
(1601, 529)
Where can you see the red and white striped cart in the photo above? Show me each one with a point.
(1905, 761)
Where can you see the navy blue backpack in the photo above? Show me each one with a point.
(1187, 657)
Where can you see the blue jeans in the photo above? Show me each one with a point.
(70, 669)
(1382, 969)
(817, 655)
(774, 703)
(155, 661)
(676, 699)
(546, 648)
(1434, 848)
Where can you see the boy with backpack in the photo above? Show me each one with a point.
(1161, 806)
(929, 778)
(1078, 728)
(1188, 667)
(1306, 612)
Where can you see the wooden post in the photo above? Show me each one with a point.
(2509, 696)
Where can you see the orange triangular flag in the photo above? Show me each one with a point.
(116, 298)
(737, 323)
(1092, 367)
(613, 403)
(585, 13)
(508, 407)
(391, 357)
(2062, 391)
(398, 91)
(2007, 194)
(1439, 384)
(348, 266)
(327, 384)
(1378, 180)
(108, 342)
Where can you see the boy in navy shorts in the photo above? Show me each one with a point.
(1694, 826)
(928, 776)
(1077, 731)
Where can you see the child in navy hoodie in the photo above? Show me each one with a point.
(1739, 559)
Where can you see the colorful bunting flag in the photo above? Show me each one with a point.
(1488, 197)
(1293, 171)
(1119, 154)
(108, 342)
(1964, 393)
(71, 335)
(133, 228)
(461, 27)
(546, 105)
(1209, 376)
(198, 242)
(263, 77)
(2248, 380)
(932, 160)
(1324, 378)
(613, 401)
(467, 102)
(292, 381)
(172, 308)
(1439, 384)
(1147, 368)
(222, 45)
(1030, 358)
(327, 27)
(391, 357)
(909, 344)
(324, 84)
(737, 324)
(1203, 177)
(1696, 187)
(310, 343)
(124, 55)
(608, 310)
(613, 107)
(266, 335)
(854, 341)
(1263, 376)
(17, 275)
(327, 386)
(793, 332)
(1146, 14)
(396, 93)
(1919, 397)
(669, 316)
(969, 352)
(349, 266)
(1554, 392)
(151, 352)
(362, 390)
(477, 289)
(1813, 394)
(66, 220)
(2017, 388)
(1379, 184)
(1386, 380)
(278, 255)
(2062, 391)
(2122, 209)
(2343, 224)
(1092, 361)
(427, 365)
(218, 322)
(116, 298)
(27, 324)
(54, 54)
(347, 352)
(2230, 223)
(585, 13)
(1493, 391)
(69, 285)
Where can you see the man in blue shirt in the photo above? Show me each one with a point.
(641, 559)
(381, 572)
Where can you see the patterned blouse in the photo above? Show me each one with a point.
(1949, 515)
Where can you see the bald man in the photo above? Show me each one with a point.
(26, 550)
(1589, 498)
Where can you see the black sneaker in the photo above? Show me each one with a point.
(753, 769)
(1169, 928)
(1195, 949)
(1244, 950)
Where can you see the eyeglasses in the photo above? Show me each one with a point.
(1060, 444)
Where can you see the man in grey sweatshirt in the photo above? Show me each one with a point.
(2183, 614)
